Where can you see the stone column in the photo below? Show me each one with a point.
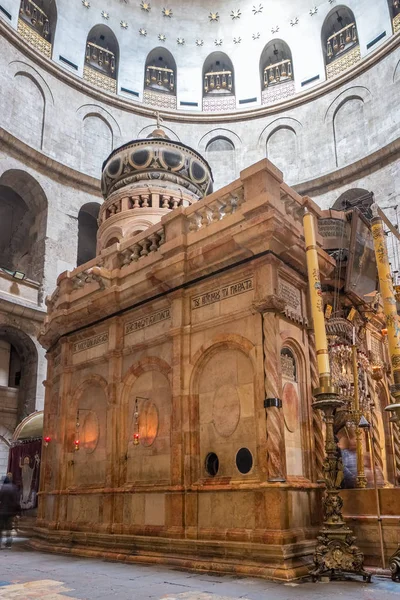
(276, 457)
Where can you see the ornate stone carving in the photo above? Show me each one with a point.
(319, 445)
(278, 92)
(158, 99)
(211, 104)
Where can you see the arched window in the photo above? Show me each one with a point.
(218, 83)
(276, 72)
(394, 9)
(37, 24)
(87, 232)
(220, 153)
(23, 220)
(160, 79)
(101, 58)
(340, 41)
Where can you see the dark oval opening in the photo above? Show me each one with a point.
(212, 464)
(244, 460)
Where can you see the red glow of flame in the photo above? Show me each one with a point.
(47, 439)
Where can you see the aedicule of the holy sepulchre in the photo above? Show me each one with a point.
(199, 299)
(217, 375)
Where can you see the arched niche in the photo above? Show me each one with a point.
(148, 411)
(88, 432)
(339, 37)
(87, 232)
(394, 9)
(350, 130)
(282, 151)
(18, 374)
(23, 223)
(102, 58)
(223, 397)
(160, 79)
(40, 16)
(355, 198)
(276, 72)
(220, 153)
(292, 412)
(218, 83)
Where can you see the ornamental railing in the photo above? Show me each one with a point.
(99, 57)
(160, 77)
(216, 81)
(278, 72)
(342, 40)
(32, 14)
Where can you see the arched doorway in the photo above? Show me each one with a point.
(276, 72)
(218, 83)
(23, 223)
(87, 232)
(339, 38)
(102, 58)
(160, 79)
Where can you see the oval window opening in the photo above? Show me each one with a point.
(212, 464)
(244, 460)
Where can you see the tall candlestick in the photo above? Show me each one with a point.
(317, 307)
(387, 292)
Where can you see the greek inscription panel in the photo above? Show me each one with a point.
(147, 321)
(222, 293)
(291, 295)
(96, 340)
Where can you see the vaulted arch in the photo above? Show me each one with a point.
(160, 79)
(339, 38)
(218, 83)
(276, 72)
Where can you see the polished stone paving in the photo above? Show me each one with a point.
(27, 575)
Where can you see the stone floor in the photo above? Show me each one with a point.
(28, 575)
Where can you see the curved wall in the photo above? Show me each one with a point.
(339, 134)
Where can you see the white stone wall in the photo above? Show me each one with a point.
(329, 138)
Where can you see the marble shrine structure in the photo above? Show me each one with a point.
(181, 361)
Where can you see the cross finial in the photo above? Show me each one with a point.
(159, 119)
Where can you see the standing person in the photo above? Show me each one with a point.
(9, 507)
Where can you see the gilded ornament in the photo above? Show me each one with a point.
(275, 29)
(218, 42)
(145, 6)
(180, 41)
(105, 14)
(237, 40)
(214, 17)
(256, 36)
(257, 9)
(167, 12)
(124, 24)
(143, 31)
(86, 3)
(294, 21)
(199, 42)
(162, 37)
(314, 10)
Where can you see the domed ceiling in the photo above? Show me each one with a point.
(210, 23)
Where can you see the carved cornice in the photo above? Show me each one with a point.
(80, 84)
(270, 303)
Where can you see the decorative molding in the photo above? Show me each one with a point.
(220, 104)
(278, 92)
(34, 39)
(343, 63)
(158, 99)
(100, 80)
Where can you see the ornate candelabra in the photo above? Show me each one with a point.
(335, 551)
(393, 336)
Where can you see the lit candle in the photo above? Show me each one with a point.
(317, 305)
